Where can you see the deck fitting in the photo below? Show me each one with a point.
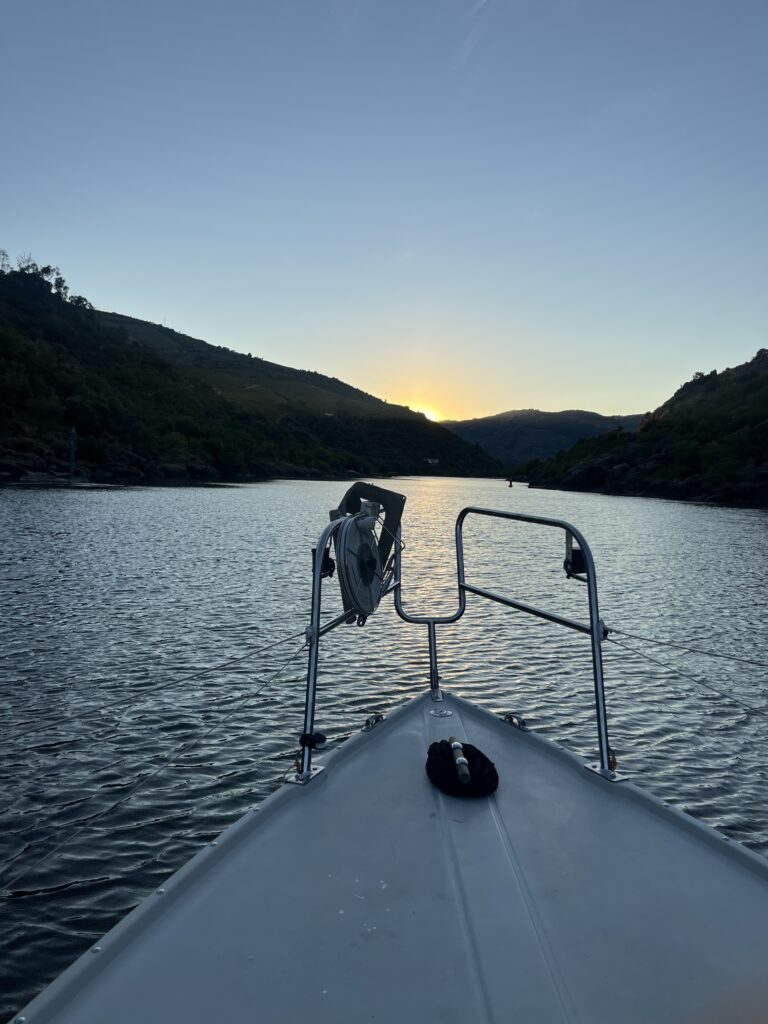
(299, 779)
(609, 776)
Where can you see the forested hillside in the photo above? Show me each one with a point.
(269, 388)
(709, 442)
(525, 434)
(186, 412)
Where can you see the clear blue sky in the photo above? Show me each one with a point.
(466, 205)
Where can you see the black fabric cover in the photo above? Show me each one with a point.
(392, 504)
(441, 770)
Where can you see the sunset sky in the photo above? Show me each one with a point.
(465, 206)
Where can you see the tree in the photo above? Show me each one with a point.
(52, 276)
(26, 265)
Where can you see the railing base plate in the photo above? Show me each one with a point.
(297, 779)
(609, 776)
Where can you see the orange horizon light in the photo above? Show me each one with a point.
(428, 411)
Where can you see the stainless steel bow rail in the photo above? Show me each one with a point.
(579, 564)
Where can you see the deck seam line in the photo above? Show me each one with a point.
(538, 928)
(469, 931)
(464, 903)
(548, 956)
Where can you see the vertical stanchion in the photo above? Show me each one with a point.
(313, 639)
(596, 639)
(434, 678)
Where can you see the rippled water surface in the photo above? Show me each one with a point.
(120, 757)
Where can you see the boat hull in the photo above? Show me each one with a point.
(370, 895)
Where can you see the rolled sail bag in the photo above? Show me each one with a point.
(442, 770)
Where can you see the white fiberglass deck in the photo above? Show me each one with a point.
(370, 896)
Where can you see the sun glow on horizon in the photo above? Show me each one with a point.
(428, 411)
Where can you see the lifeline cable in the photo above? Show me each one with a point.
(694, 679)
(140, 782)
(134, 694)
(94, 738)
(690, 650)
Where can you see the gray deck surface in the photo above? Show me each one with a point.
(370, 896)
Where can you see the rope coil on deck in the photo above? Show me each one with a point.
(465, 771)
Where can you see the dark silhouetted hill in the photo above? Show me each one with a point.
(149, 404)
(709, 442)
(256, 384)
(525, 434)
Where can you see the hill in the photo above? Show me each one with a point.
(525, 434)
(268, 388)
(149, 404)
(708, 442)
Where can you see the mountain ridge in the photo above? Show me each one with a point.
(205, 414)
(251, 371)
(708, 442)
(521, 435)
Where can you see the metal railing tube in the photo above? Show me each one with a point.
(313, 639)
(521, 606)
(597, 658)
(595, 630)
(434, 678)
(426, 620)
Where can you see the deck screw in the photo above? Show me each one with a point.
(161, 890)
(96, 949)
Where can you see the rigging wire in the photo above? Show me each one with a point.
(136, 695)
(380, 521)
(31, 705)
(687, 675)
(673, 668)
(690, 650)
(92, 739)
(141, 781)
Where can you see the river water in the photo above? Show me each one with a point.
(121, 754)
